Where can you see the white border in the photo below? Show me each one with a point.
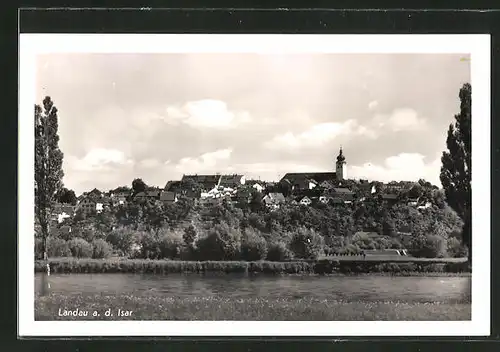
(477, 45)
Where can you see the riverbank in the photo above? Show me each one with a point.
(64, 307)
(327, 266)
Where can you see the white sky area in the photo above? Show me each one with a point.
(159, 116)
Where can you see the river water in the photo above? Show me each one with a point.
(349, 288)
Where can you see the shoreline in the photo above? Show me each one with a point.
(327, 267)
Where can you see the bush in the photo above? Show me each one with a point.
(456, 249)
(80, 248)
(253, 246)
(307, 244)
(150, 246)
(123, 239)
(279, 252)
(171, 244)
(57, 247)
(429, 246)
(101, 249)
(189, 236)
(220, 243)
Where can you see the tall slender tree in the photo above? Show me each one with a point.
(456, 165)
(48, 166)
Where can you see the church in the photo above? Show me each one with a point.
(309, 180)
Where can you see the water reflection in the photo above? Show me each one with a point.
(355, 288)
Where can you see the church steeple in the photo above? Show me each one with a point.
(340, 166)
(340, 157)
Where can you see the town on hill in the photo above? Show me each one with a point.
(336, 213)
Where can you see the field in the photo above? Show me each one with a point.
(262, 309)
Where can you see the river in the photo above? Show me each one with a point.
(349, 288)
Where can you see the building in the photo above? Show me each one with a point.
(340, 167)
(206, 182)
(232, 181)
(150, 194)
(310, 180)
(343, 193)
(168, 197)
(273, 200)
(305, 201)
(88, 204)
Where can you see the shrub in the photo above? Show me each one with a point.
(171, 244)
(189, 236)
(220, 243)
(279, 252)
(101, 249)
(456, 249)
(123, 239)
(307, 244)
(253, 246)
(80, 248)
(363, 241)
(149, 246)
(57, 247)
(429, 246)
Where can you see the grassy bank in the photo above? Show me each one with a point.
(323, 266)
(215, 308)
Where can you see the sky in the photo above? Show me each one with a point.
(159, 116)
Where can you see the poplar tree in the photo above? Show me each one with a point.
(457, 165)
(48, 166)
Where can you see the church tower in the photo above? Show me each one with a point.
(341, 166)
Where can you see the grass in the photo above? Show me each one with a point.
(326, 266)
(261, 309)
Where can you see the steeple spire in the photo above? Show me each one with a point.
(340, 157)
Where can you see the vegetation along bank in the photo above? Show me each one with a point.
(322, 266)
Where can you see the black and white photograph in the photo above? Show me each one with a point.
(309, 183)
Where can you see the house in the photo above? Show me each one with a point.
(273, 200)
(150, 194)
(389, 198)
(173, 186)
(206, 182)
(99, 207)
(95, 193)
(305, 201)
(87, 204)
(300, 177)
(118, 200)
(343, 193)
(168, 197)
(61, 211)
(232, 181)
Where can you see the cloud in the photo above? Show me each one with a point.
(205, 162)
(152, 163)
(373, 104)
(401, 167)
(404, 119)
(207, 113)
(318, 135)
(98, 159)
